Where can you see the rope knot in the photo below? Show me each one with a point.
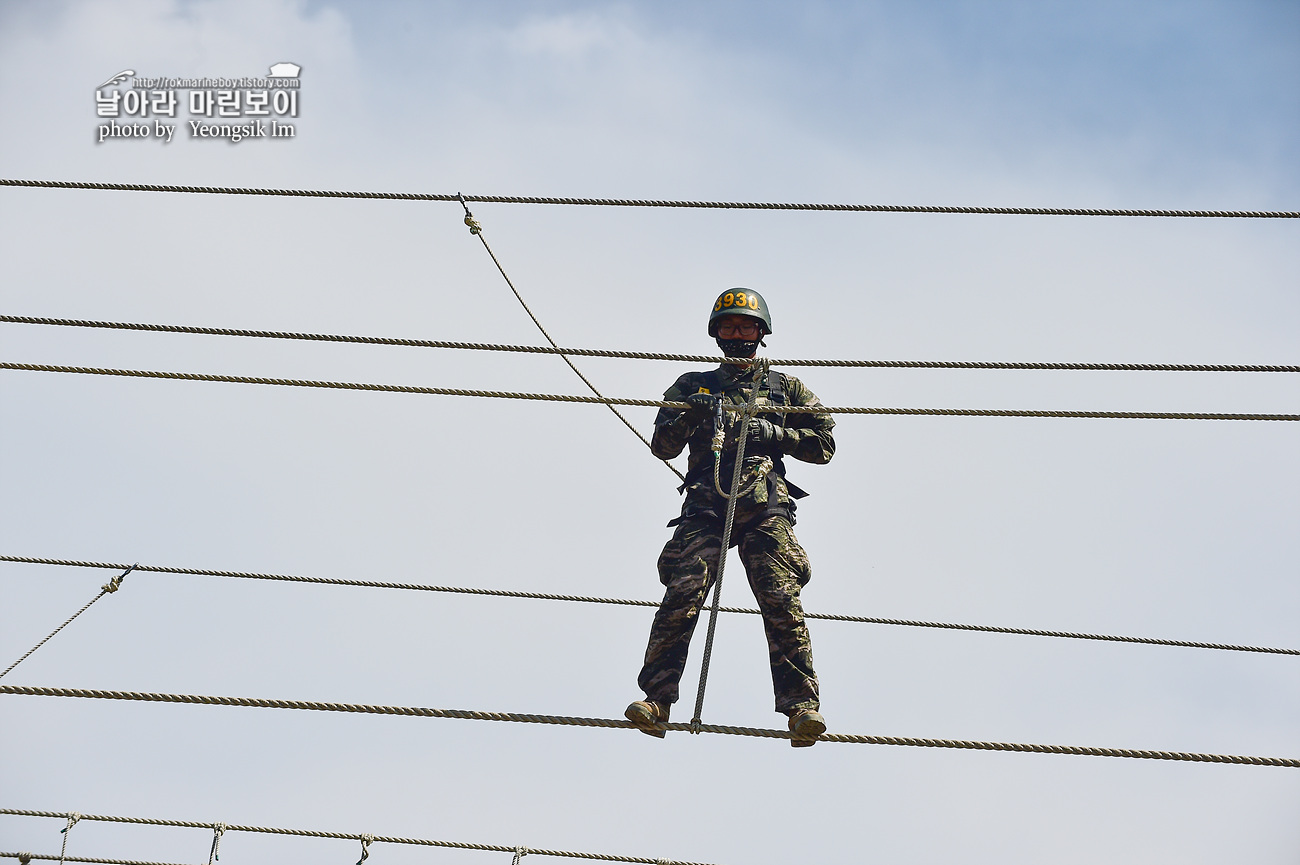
(474, 227)
(116, 583)
(366, 841)
(214, 855)
(24, 858)
(520, 853)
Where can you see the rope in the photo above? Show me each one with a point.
(214, 855)
(366, 841)
(643, 202)
(520, 853)
(647, 355)
(758, 474)
(346, 836)
(24, 858)
(568, 721)
(65, 831)
(629, 602)
(108, 588)
(643, 403)
(477, 230)
(760, 375)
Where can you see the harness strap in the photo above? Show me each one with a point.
(776, 387)
(776, 395)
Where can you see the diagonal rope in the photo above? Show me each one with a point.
(646, 355)
(645, 202)
(644, 403)
(630, 602)
(341, 836)
(569, 721)
(477, 230)
(108, 588)
(742, 427)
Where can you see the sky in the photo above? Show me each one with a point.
(1173, 529)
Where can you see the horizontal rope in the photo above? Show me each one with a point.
(645, 403)
(342, 836)
(568, 721)
(648, 355)
(630, 602)
(649, 202)
(57, 858)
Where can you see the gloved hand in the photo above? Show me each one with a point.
(765, 434)
(701, 406)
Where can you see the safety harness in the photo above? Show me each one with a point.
(776, 395)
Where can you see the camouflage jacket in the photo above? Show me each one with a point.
(807, 438)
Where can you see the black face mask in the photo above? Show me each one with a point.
(738, 347)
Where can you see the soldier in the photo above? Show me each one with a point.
(777, 567)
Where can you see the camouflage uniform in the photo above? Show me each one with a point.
(776, 565)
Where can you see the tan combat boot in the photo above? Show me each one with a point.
(648, 716)
(806, 725)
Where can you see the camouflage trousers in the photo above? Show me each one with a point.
(777, 568)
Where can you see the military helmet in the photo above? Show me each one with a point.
(740, 301)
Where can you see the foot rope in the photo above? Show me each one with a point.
(568, 721)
